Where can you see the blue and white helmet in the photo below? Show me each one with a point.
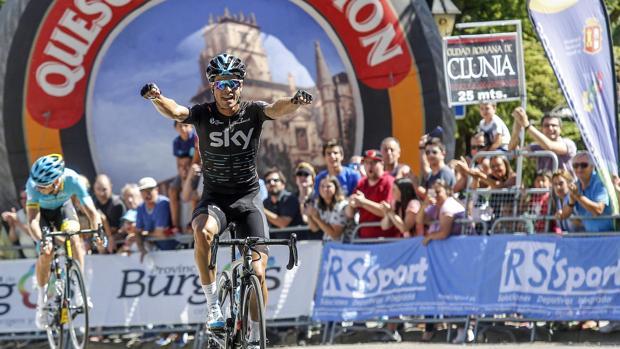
(225, 64)
(47, 169)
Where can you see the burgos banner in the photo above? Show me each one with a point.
(543, 277)
(575, 35)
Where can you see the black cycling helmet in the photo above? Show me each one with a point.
(225, 64)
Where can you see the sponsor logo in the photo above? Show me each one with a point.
(358, 274)
(374, 39)
(589, 97)
(223, 139)
(536, 268)
(21, 286)
(66, 46)
(592, 36)
(212, 121)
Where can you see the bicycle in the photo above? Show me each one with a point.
(238, 286)
(66, 303)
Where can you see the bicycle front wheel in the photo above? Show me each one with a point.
(55, 298)
(77, 307)
(253, 308)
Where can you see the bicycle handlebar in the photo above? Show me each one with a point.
(252, 241)
(99, 232)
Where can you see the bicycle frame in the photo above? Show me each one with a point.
(241, 275)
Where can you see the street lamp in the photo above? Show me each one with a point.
(444, 12)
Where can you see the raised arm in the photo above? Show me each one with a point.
(165, 106)
(287, 105)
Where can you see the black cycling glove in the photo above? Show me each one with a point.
(146, 88)
(301, 97)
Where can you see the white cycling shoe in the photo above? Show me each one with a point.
(40, 319)
(215, 319)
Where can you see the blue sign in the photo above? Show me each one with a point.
(542, 277)
(458, 111)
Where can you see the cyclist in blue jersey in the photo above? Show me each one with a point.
(229, 131)
(50, 189)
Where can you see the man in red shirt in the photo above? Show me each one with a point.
(370, 191)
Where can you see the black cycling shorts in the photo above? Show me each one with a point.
(246, 210)
(53, 218)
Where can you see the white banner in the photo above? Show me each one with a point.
(165, 289)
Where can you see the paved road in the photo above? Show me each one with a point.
(418, 345)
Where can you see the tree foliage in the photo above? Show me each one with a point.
(543, 92)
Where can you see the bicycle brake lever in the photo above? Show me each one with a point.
(292, 256)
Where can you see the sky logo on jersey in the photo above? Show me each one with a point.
(223, 139)
(539, 268)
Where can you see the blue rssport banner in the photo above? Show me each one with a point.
(576, 38)
(543, 277)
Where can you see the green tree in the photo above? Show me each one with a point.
(543, 92)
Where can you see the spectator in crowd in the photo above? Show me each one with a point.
(183, 148)
(548, 139)
(281, 207)
(180, 213)
(356, 163)
(370, 192)
(18, 227)
(432, 158)
(402, 213)
(538, 203)
(110, 206)
(588, 196)
(153, 217)
(332, 214)
(131, 196)
(502, 175)
(304, 180)
(494, 127)
(560, 180)
(192, 185)
(390, 150)
(8, 243)
(128, 229)
(440, 210)
(333, 155)
(461, 167)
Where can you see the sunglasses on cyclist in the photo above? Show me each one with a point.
(223, 84)
(43, 187)
(582, 165)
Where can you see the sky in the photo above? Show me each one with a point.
(129, 139)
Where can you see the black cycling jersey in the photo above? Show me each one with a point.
(229, 145)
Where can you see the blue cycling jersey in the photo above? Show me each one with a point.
(70, 185)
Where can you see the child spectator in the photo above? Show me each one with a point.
(560, 181)
(494, 126)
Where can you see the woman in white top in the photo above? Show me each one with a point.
(331, 214)
(402, 213)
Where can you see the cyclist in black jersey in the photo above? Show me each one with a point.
(229, 135)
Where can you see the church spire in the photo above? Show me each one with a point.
(323, 75)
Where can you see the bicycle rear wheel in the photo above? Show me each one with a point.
(55, 298)
(253, 293)
(77, 307)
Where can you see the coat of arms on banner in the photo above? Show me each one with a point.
(592, 36)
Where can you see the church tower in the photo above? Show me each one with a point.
(330, 124)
